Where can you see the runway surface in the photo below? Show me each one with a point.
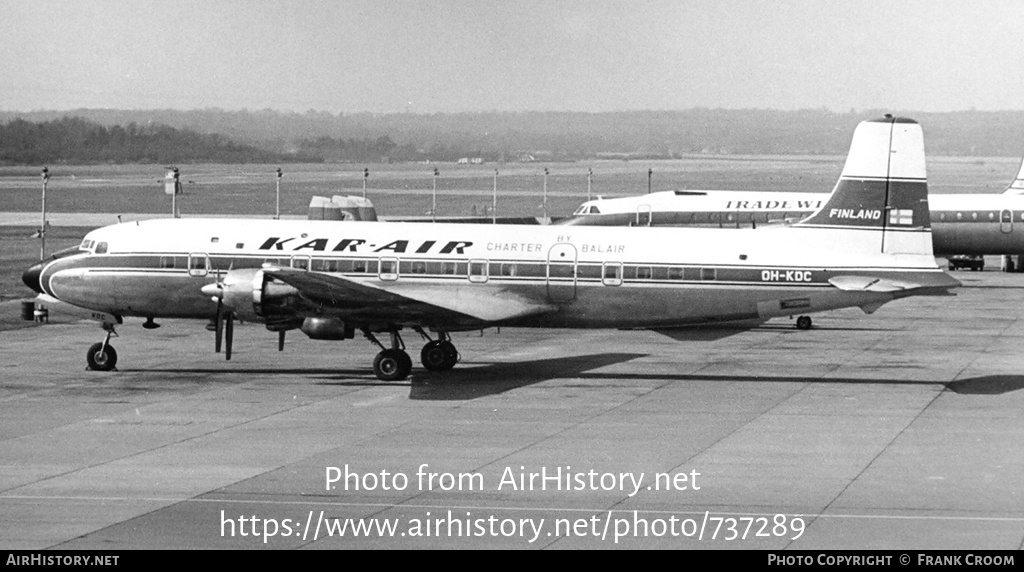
(899, 430)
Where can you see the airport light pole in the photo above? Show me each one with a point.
(649, 173)
(433, 198)
(172, 187)
(42, 229)
(544, 202)
(494, 202)
(590, 176)
(366, 175)
(279, 174)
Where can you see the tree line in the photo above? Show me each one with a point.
(76, 140)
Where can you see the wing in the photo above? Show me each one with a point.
(460, 304)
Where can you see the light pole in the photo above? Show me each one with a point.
(42, 229)
(590, 176)
(649, 173)
(494, 201)
(366, 175)
(279, 174)
(172, 187)
(433, 198)
(544, 202)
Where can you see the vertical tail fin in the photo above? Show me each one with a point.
(883, 188)
(1017, 186)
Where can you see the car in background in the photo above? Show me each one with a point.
(972, 261)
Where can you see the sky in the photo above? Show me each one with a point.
(423, 56)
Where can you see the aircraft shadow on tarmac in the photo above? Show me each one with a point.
(987, 385)
(983, 385)
(474, 382)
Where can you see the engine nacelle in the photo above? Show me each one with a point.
(327, 329)
(236, 290)
(254, 296)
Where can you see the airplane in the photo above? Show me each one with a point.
(868, 244)
(972, 224)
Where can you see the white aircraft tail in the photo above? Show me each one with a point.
(881, 200)
(1017, 186)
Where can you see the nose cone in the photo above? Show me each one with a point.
(31, 277)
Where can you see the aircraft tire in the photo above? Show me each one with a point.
(434, 357)
(803, 323)
(392, 365)
(100, 358)
(451, 354)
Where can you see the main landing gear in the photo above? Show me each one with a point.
(394, 364)
(101, 356)
(803, 323)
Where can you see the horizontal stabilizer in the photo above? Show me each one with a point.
(871, 284)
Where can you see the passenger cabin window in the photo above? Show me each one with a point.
(612, 274)
(166, 262)
(478, 271)
(198, 265)
(388, 269)
(101, 248)
(643, 272)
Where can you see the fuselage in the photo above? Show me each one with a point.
(961, 224)
(595, 277)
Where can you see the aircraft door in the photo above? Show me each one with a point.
(643, 215)
(1006, 221)
(562, 273)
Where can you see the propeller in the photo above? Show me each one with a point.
(224, 320)
(229, 331)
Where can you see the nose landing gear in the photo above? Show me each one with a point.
(101, 356)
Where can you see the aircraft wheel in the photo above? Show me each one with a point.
(434, 357)
(392, 365)
(101, 358)
(803, 323)
(451, 354)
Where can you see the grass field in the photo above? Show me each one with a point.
(405, 189)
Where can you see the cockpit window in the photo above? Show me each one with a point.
(101, 248)
(580, 210)
(86, 245)
(595, 210)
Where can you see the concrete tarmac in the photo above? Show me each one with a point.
(898, 430)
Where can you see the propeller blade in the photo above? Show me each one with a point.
(218, 330)
(229, 331)
(280, 341)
